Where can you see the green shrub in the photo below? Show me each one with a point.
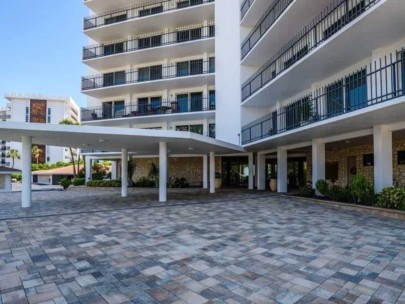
(17, 176)
(392, 198)
(79, 182)
(144, 182)
(104, 183)
(306, 191)
(362, 189)
(65, 183)
(340, 194)
(322, 186)
(179, 183)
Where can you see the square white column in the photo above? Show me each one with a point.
(114, 170)
(124, 173)
(282, 170)
(261, 171)
(318, 161)
(383, 163)
(26, 194)
(251, 171)
(163, 172)
(212, 172)
(205, 172)
(88, 168)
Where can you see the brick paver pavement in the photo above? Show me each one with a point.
(235, 247)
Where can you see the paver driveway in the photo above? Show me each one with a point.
(236, 247)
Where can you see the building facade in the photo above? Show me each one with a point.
(4, 146)
(41, 109)
(312, 89)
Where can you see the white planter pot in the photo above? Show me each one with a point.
(273, 185)
(218, 183)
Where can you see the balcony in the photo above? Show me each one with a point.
(180, 43)
(322, 49)
(170, 13)
(145, 108)
(154, 78)
(363, 90)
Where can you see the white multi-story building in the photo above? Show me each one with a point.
(4, 145)
(26, 108)
(312, 89)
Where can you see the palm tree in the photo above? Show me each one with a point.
(69, 122)
(13, 154)
(36, 152)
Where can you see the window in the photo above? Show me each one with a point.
(334, 99)
(211, 99)
(187, 35)
(332, 171)
(27, 114)
(212, 65)
(196, 67)
(107, 110)
(211, 131)
(368, 160)
(119, 108)
(182, 68)
(196, 101)
(297, 56)
(49, 115)
(356, 91)
(143, 105)
(274, 123)
(156, 102)
(211, 30)
(401, 157)
(115, 78)
(114, 48)
(183, 128)
(187, 3)
(150, 73)
(298, 113)
(151, 11)
(198, 129)
(115, 19)
(182, 102)
(144, 43)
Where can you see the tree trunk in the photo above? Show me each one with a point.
(73, 162)
(78, 165)
(13, 163)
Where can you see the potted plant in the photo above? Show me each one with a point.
(273, 181)
(218, 180)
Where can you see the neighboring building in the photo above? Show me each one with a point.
(312, 89)
(41, 109)
(4, 145)
(53, 176)
(5, 178)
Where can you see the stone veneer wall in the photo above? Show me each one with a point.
(340, 156)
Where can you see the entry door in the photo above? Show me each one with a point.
(351, 169)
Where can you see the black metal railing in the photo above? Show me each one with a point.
(327, 24)
(146, 107)
(152, 73)
(177, 37)
(269, 18)
(245, 7)
(380, 81)
(139, 12)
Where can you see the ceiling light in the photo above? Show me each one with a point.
(101, 140)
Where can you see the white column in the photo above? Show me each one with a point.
(261, 171)
(383, 164)
(88, 168)
(251, 171)
(205, 172)
(114, 170)
(26, 195)
(163, 172)
(212, 172)
(318, 161)
(282, 170)
(124, 173)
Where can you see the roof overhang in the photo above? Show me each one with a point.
(139, 141)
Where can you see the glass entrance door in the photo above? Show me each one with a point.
(235, 172)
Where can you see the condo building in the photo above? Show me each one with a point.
(43, 109)
(311, 89)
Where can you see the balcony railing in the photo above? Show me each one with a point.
(269, 18)
(154, 107)
(139, 12)
(177, 37)
(330, 22)
(245, 7)
(153, 73)
(380, 82)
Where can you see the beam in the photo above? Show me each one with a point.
(124, 173)
(26, 194)
(163, 172)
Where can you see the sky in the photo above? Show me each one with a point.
(41, 47)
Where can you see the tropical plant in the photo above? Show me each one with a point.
(144, 182)
(322, 187)
(131, 171)
(153, 173)
(362, 189)
(36, 153)
(392, 198)
(13, 154)
(79, 181)
(72, 157)
(306, 191)
(65, 183)
(99, 171)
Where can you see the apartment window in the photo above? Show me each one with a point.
(143, 105)
(183, 128)
(332, 171)
(212, 65)
(151, 11)
(274, 123)
(334, 99)
(196, 67)
(115, 78)
(107, 109)
(150, 73)
(182, 68)
(211, 30)
(211, 99)
(211, 131)
(182, 102)
(192, 67)
(187, 35)
(199, 129)
(356, 90)
(148, 42)
(27, 114)
(196, 101)
(295, 57)
(187, 3)
(156, 103)
(368, 160)
(115, 19)
(114, 48)
(298, 113)
(119, 108)
(49, 115)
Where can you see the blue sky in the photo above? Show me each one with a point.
(41, 47)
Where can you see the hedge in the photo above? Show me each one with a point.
(104, 183)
